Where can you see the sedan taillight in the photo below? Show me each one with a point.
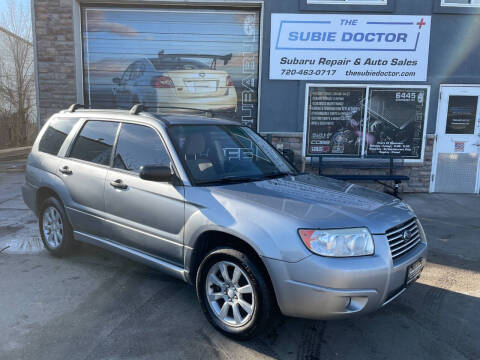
(229, 81)
(162, 82)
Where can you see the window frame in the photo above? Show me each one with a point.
(443, 4)
(81, 124)
(66, 141)
(130, 172)
(80, 7)
(70, 141)
(367, 87)
(349, 2)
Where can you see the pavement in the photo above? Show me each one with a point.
(97, 305)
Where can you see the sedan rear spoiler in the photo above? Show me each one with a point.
(225, 58)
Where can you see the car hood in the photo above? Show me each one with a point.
(316, 202)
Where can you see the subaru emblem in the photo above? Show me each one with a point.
(407, 235)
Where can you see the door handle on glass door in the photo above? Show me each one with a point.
(119, 184)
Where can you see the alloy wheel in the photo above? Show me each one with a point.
(52, 227)
(230, 293)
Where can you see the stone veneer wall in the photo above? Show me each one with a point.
(419, 173)
(55, 55)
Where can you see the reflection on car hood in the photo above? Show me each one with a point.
(318, 201)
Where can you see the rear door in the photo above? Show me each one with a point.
(84, 172)
(145, 215)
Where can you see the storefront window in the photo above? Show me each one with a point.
(467, 3)
(393, 125)
(349, 2)
(335, 123)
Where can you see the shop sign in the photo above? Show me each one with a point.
(349, 47)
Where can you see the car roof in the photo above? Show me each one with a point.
(164, 119)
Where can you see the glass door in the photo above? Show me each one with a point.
(456, 166)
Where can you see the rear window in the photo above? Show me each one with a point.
(55, 135)
(95, 142)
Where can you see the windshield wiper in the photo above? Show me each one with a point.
(276, 175)
(240, 179)
(228, 180)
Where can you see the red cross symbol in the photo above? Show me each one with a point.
(421, 23)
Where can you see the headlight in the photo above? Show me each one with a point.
(423, 236)
(338, 242)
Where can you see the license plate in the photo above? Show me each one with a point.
(202, 87)
(414, 270)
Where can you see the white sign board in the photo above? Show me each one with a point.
(349, 47)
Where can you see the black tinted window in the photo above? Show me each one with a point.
(95, 142)
(138, 146)
(55, 135)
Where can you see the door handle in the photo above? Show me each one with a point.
(119, 184)
(65, 170)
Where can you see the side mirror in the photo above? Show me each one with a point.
(116, 81)
(156, 173)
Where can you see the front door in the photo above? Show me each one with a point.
(456, 166)
(145, 215)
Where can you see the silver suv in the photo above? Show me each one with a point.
(212, 203)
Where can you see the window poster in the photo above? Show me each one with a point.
(395, 122)
(462, 112)
(173, 60)
(335, 121)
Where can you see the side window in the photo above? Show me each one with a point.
(95, 142)
(138, 146)
(55, 135)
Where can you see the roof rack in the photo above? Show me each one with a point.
(75, 107)
(137, 109)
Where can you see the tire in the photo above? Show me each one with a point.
(52, 209)
(261, 301)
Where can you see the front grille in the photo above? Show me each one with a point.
(403, 238)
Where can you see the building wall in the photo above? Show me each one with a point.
(55, 55)
(453, 59)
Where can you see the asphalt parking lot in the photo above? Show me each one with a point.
(97, 305)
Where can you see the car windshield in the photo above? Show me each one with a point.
(227, 153)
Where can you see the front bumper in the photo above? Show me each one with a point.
(334, 288)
